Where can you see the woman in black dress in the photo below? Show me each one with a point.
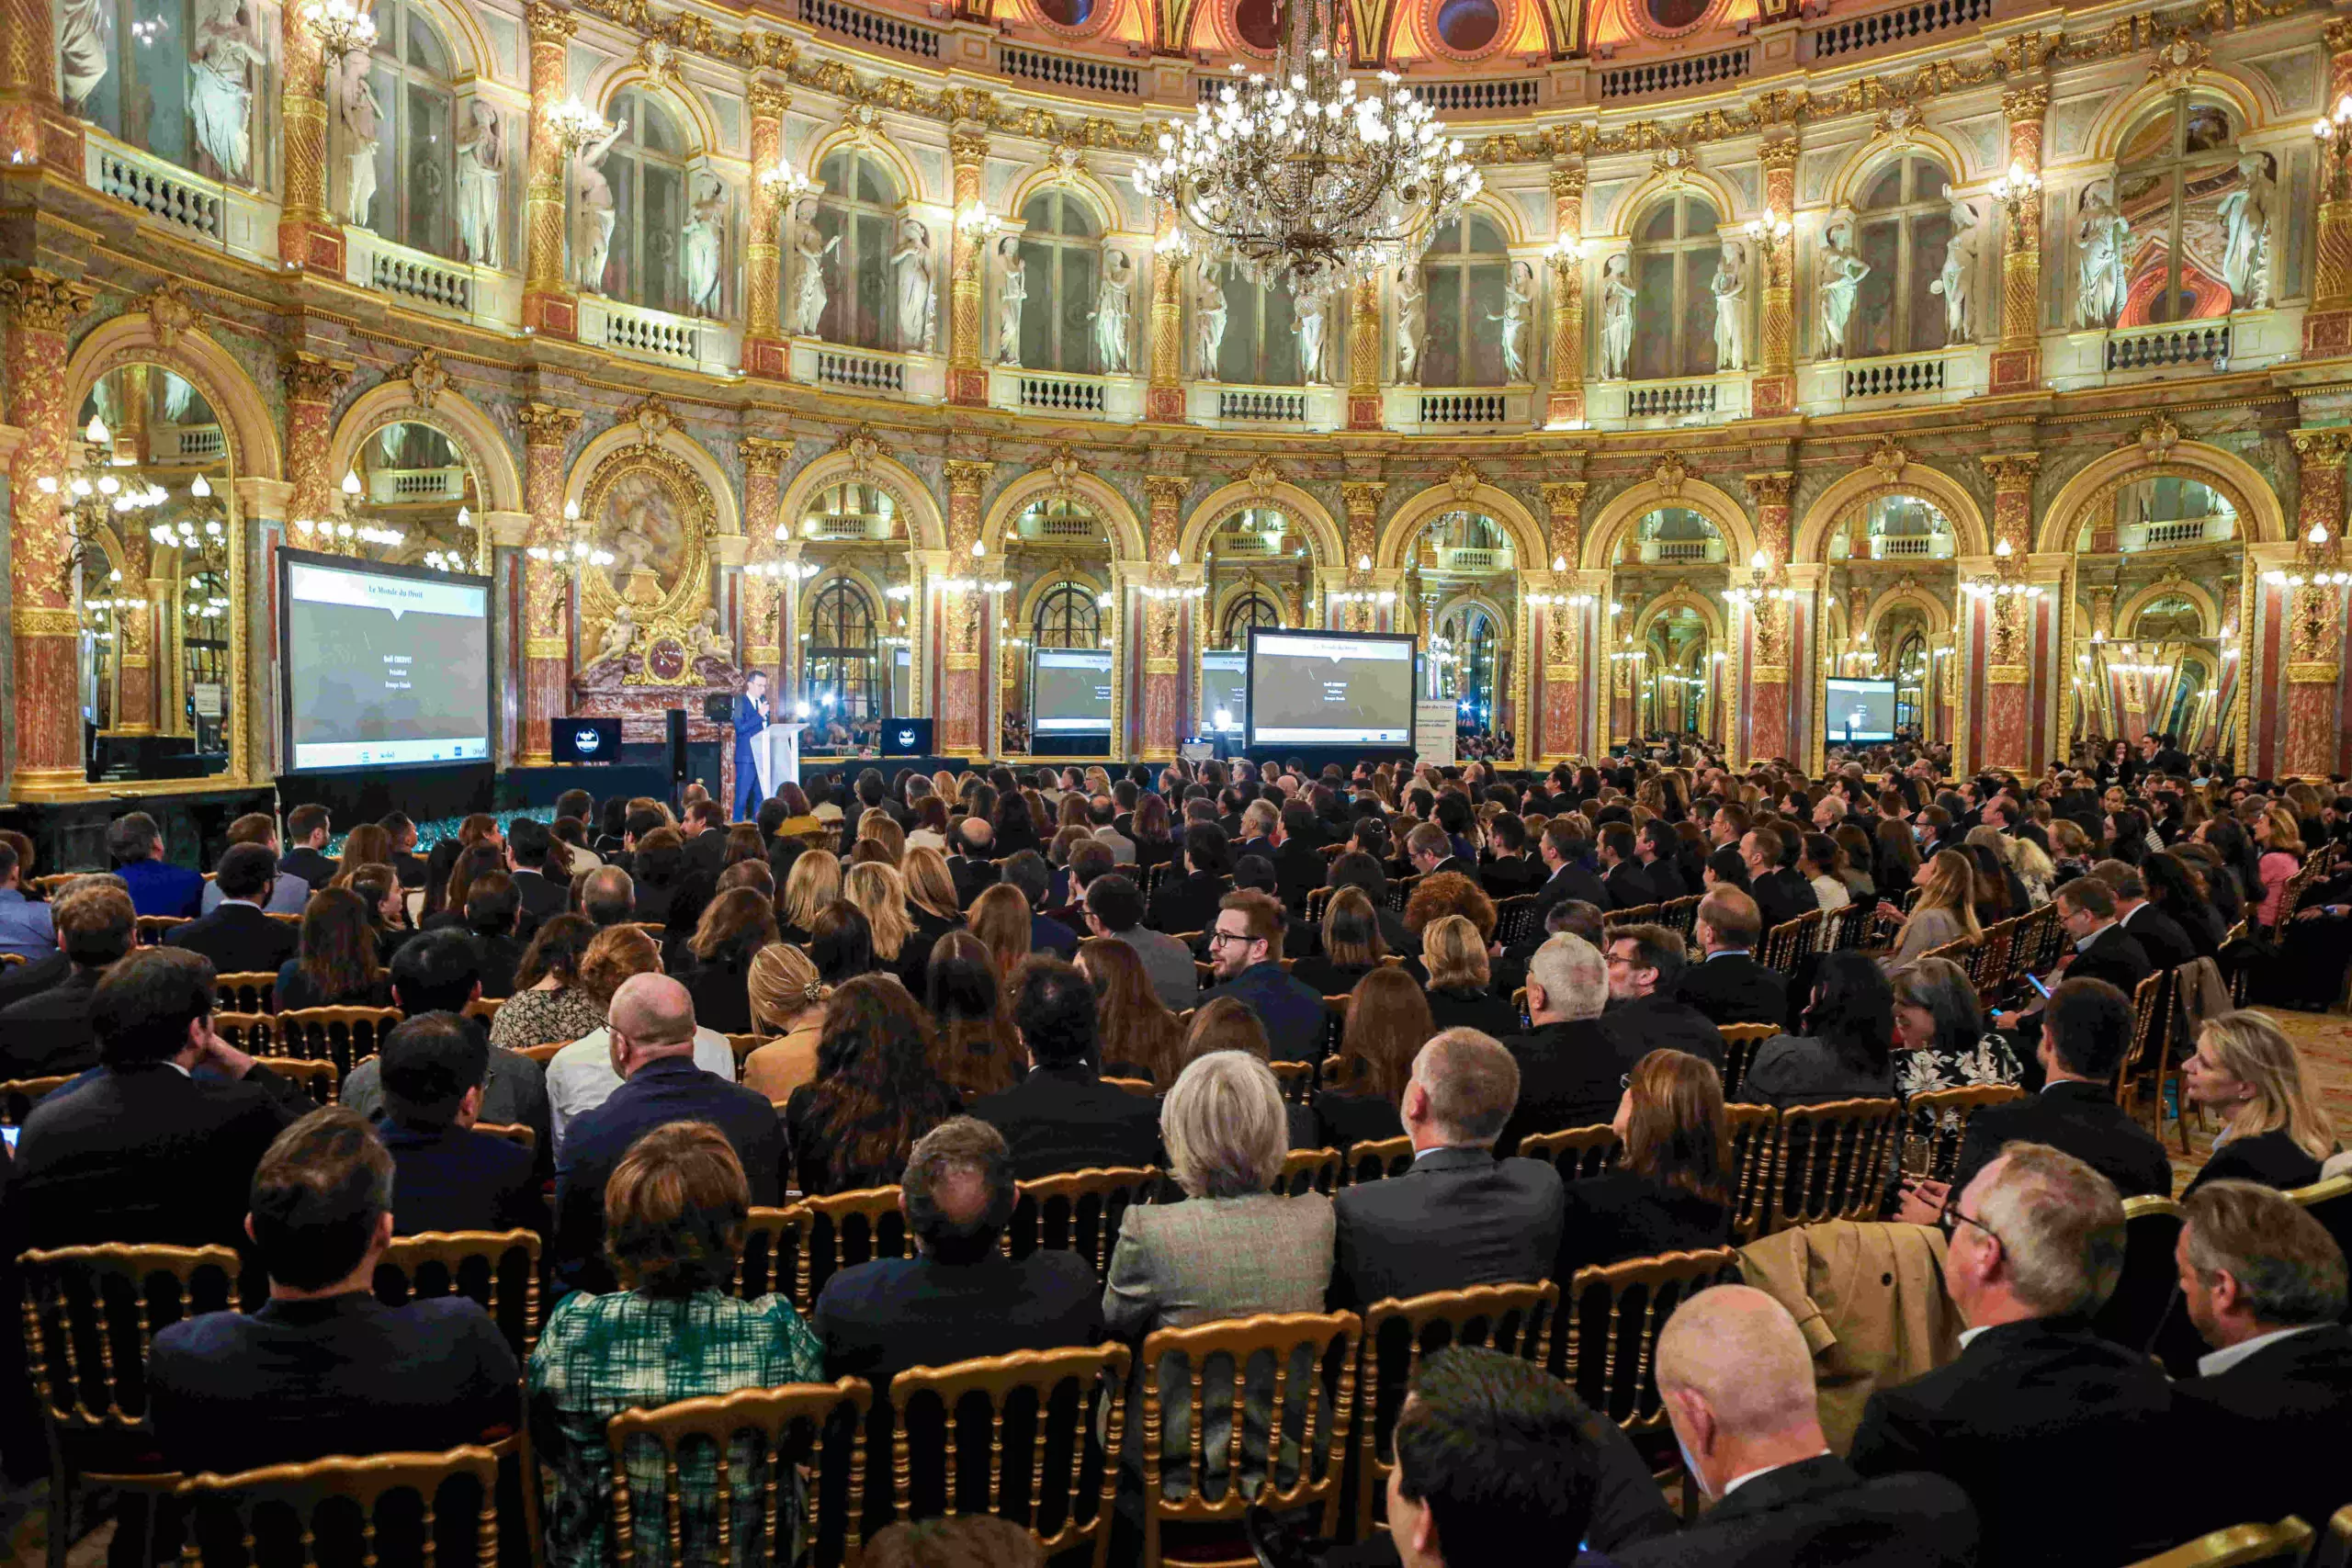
(336, 965)
(1388, 1022)
(2277, 1132)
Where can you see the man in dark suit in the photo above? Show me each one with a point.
(2158, 934)
(1659, 849)
(2036, 1247)
(1245, 947)
(2263, 1282)
(1728, 985)
(1261, 824)
(972, 866)
(49, 1034)
(157, 887)
(405, 860)
(1062, 1116)
(1430, 849)
(158, 1146)
(1568, 1075)
(1736, 1376)
(450, 1178)
(307, 827)
(2102, 951)
(1780, 893)
(527, 858)
(1298, 864)
(1460, 1217)
(706, 830)
(237, 937)
(1561, 849)
(1188, 903)
(1512, 871)
(323, 1368)
(652, 1024)
(1645, 964)
(1620, 873)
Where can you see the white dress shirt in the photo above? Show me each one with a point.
(581, 1077)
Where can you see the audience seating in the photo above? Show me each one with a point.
(513, 1132)
(10, 960)
(788, 1423)
(254, 992)
(1680, 916)
(846, 1228)
(545, 1054)
(485, 1008)
(1298, 1444)
(1143, 1088)
(743, 1045)
(1371, 1161)
(1789, 943)
(1039, 1404)
(1577, 1152)
(1335, 1025)
(1081, 1208)
(1297, 1081)
(1316, 900)
(2335, 1548)
(18, 1096)
(1308, 1170)
(1854, 924)
(149, 931)
(256, 1034)
(2240, 1546)
(1740, 1042)
(2330, 1203)
(1751, 1165)
(2139, 1083)
(774, 1242)
(1613, 1315)
(252, 1498)
(1833, 1161)
(491, 1267)
(346, 1036)
(47, 886)
(1400, 891)
(320, 1080)
(1516, 919)
(2144, 1290)
(1640, 914)
(1936, 1124)
(1398, 1335)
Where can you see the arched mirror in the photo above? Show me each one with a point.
(1055, 667)
(1260, 573)
(852, 650)
(1663, 670)
(415, 482)
(1676, 676)
(1461, 587)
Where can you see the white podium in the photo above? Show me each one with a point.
(776, 752)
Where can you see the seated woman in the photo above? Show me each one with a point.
(1226, 1023)
(1455, 952)
(814, 881)
(1940, 1040)
(841, 945)
(1388, 1022)
(1001, 918)
(1845, 1051)
(1944, 913)
(1673, 1187)
(788, 1005)
(674, 1212)
(1140, 1038)
(2280, 842)
(1823, 863)
(931, 824)
(1351, 946)
(335, 965)
(380, 885)
(1154, 843)
(977, 1053)
(734, 927)
(2276, 1131)
(550, 1004)
(931, 903)
(874, 1092)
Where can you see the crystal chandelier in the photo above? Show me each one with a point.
(1298, 178)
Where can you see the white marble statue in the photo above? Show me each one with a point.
(619, 635)
(1412, 323)
(1841, 281)
(1518, 305)
(808, 296)
(1956, 282)
(1729, 286)
(482, 167)
(918, 297)
(1309, 315)
(592, 210)
(361, 118)
(1012, 297)
(2246, 215)
(711, 641)
(85, 47)
(2102, 238)
(1616, 317)
(1112, 326)
(1208, 318)
(222, 63)
(699, 247)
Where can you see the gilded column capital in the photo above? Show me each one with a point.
(1166, 489)
(1362, 496)
(762, 458)
(769, 100)
(1780, 154)
(1772, 488)
(2011, 470)
(2338, 35)
(966, 475)
(1565, 495)
(2323, 445)
(2025, 103)
(313, 377)
(42, 301)
(549, 23)
(1568, 182)
(543, 424)
(967, 145)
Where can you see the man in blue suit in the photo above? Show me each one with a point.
(1245, 947)
(751, 717)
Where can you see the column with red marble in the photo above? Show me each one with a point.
(41, 308)
(1163, 398)
(1560, 630)
(959, 614)
(1164, 714)
(2327, 325)
(763, 501)
(2009, 626)
(1771, 629)
(34, 126)
(313, 383)
(2315, 611)
(546, 590)
(967, 378)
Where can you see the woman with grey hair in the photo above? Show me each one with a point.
(1940, 1040)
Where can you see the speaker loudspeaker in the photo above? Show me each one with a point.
(677, 718)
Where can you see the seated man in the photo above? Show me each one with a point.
(49, 1034)
(1736, 1376)
(1245, 946)
(1458, 1217)
(2264, 1284)
(309, 828)
(440, 972)
(237, 935)
(959, 1296)
(1645, 964)
(24, 927)
(323, 1368)
(450, 1176)
(1063, 1116)
(1114, 910)
(2036, 1248)
(1728, 985)
(135, 845)
(1568, 1073)
(289, 894)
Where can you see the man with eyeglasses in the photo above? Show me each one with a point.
(2060, 1439)
(1245, 950)
(1644, 964)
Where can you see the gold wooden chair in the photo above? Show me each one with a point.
(10, 960)
(1308, 1170)
(1400, 1335)
(1318, 897)
(18, 1096)
(1141, 1088)
(2335, 1548)
(847, 1228)
(1576, 1152)
(1517, 918)
(704, 1439)
(1751, 1166)
(485, 1008)
(255, 1033)
(653, 929)
(1784, 944)
(1203, 974)
(1296, 1079)
(492, 1268)
(1740, 1044)
(47, 886)
(1833, 1161)
(2241, 1546)
(513, 1132)
(346, 1036)
(2145, 1288)
(90, 1317)
(743, 1045)
(1078, 1211)
(775, 1241)
(1372, 1161)
(1640, 914)
(1038, 1404)
(1613, 1316)
(222, 1524)
(253, 992)
(2330, 1203)
(319, 1079)
(545, 1054)
(2139, 1083)
(1680, 916)
(1306, 1394)
(1936, 1125)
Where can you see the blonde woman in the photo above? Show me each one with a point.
(814, 881)
(884, 829)
(1945, 913)
(2276, 1131)
(931, 894)
(1000, 919)
(1459, 998)
(787, 1001)
(2280, 841)
(880, 896)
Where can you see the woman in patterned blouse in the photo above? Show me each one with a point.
(1940, 1040)
(674, 1212)
(548, 1006)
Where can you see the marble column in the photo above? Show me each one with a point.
(41, 308)
(135, 647)
(761, 643)
(34, 126)
(1560, 632)
(546, 590)
(2315, 611)
(1162, 704)
(764, 350)
(550, 308)
(2017, 359)
(313, 383)
(2327, 325)
(1565, 403)
(507, 534)
(308, 235)
(967, 377)
(2009, 618)
(1773, 651)
(959, 617)
(1163, 398)
(1775, 388)
(1364, 355)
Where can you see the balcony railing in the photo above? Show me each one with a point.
(2176, 534)
(1669, 399)
(163, 193)
(1680, 552)
(1895, 377)
(1259, 404)
(1472, 558)
(1474, 97)
(187, 443)
(1463, 408)
(2155, 348)
(1066, 71)
(862, 372)
(845, 525)
(1061, 394)
(1910, 546)
(1900, 26)
(412, 276)
(394, 487)
(870, 27)
(1676, 75)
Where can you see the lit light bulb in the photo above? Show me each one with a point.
(199, 487)
(572, 512)
(350, 482)
(97, 432)
(1559, 563)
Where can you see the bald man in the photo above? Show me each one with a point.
(1737, 1380)
(651, 1047)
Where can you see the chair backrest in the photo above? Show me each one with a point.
(92, 1314)
(2143, 1059)
(254, 992)
(1078, 1211)
(2330, 1203)
(1936, 1124)
(545, 1054)
(2335, 1548)
(1197, 1378)
(1784, 944)
(1577, 1152)
(47, 886)
(1037, 1405)
(18, 1096)
(1613, 1315)
(1308, 1170)
(1400, 1335)
(499, 1269)
(319, 1079)
(1740, 1042)
(1400, 891)
(1296, 1079)
(743, 1045)
(2240, 1546)
(774, 1242)
(485, 1008)
(1751, 1165)
(255, 1033)
(306, 1489)
(1680, 916)
(513, 1132)
(1517, 917)
(1141, 1088)
(785, 1425)
(1317, 897)
(1833, 1161)
(346, 1036)
(1640, 914)
(149, 931)
(1372, 1161)
(2143, 1292)
(846, 1228)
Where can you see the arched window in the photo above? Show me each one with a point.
(1895, 527)
(184, 79)
(2166, 513)
(1675, 253)
(1465, 271)
(2169, 618)
(1462, 663)
(852, 510)
(1902, 227)
(1247, 614)
(1676, 535)
(1911, 681)
(2171, 177)
(648, 171)
(839, 668)
(860, 209)
(416, 157)
(1068, 617)
(1260, 345)
(1062, 257)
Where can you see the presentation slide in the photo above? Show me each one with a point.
(1861, 710)
(382, 665)
(1069, 691)
(1330, 688)
(1224, 687)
